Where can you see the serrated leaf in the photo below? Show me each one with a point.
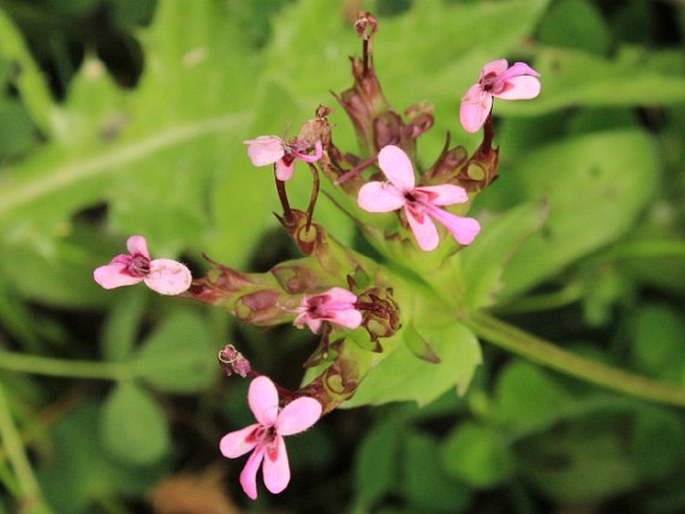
(401, 376)
(133, 427)
(178, 356)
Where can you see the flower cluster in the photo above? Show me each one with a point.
(345, 298)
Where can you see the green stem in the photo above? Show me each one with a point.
(571, 293)
(635, 249)
(547, 354)
(64, 368)
(29, 490)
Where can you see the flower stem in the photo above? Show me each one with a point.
(63, 368)
(547, 354)
(314, 195)
(283, 197)
(29, 491)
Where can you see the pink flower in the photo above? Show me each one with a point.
(265, 438)
(273, 150)
(335, 306)
(162, 275)
(421, 204)
(517, 82)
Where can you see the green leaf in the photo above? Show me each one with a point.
(526, 397)
(575, 24)
(377, 462)
(425, 483)
(658, 334)
(584, 462)
(78, 470)
(595, 186)
(122, 324)
(486, 258)
(572, 78)
(179, 355)
(658, 441)
(478, 455)
(133, 427)
(401, 376)
(149, 154)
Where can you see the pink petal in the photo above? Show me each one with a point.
(298, 415)
(248, 476)
(424, 230)
(262, 397)
(520, 88)
(284, 171)
(349, 318)
(380, 197)
(318, 152)
(497, 67)
(265, 150)
(168, 277)
(114, 275)
(396, 165)
(474, 108)
(136, 245)
(276, 469)
(339, 295)
(313, 324)
(446, 194)
(463, 229)
(237, 443)
(517, 70)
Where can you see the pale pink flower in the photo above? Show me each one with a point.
(335, 306)
(421, 204)
(162, 275)
(497, 79)
(273, 150)
(265, 438)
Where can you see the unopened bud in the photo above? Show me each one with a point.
(232, 361)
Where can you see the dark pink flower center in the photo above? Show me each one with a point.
(317, 307)
(139, 266)
(265, 437)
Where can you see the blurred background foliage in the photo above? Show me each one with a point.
(122, 117)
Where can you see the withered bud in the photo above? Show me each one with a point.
(366, 25)
(232, 361)
(380, 312)
(420, 119)
(316, 129)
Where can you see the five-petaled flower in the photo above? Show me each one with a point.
(162, 275)
(497, 79)
(420, 203)
(265, 438)
(273, 150)
(335, 306)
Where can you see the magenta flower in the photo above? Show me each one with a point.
(162, 275)
(421, 204)
(273, 150)
(497, 79)
(335, 306)
(265, 438)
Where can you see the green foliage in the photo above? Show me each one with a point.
(582, 238)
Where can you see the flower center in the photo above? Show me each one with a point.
(317, 307)
(139, 266)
